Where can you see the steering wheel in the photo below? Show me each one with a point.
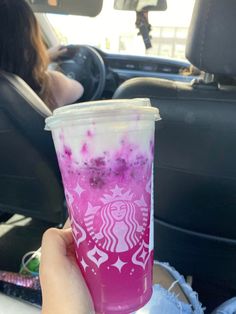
(84, 64)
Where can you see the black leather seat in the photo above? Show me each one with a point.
(30, 182)
(195, 162)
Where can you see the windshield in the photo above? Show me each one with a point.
(115, 31)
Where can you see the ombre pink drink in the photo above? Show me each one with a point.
(105, 153)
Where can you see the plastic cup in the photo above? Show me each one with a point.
(105, 153)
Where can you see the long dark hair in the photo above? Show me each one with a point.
(22, 50)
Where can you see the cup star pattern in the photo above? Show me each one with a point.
(141, 256)
(119, 264)
(97, 256)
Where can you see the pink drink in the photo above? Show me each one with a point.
(105, 154)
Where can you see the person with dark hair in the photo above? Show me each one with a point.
(22, 52)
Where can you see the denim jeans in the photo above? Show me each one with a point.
(166, 302)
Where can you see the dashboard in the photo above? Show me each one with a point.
(120, 68)
(101, 73)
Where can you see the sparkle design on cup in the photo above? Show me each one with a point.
(97, 256)
(69, 197)
(78, 189)
(119, 231)
(79, 233)
(148, 186)
(119, 264)
(84, 264)
(141, 256)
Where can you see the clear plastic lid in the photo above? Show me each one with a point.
(98, 103)
(100, 110)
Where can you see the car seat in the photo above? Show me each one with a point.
(30, 181)
(195, 161)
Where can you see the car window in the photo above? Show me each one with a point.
(114, 31)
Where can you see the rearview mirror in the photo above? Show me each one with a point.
(140, 5)
(73, 7)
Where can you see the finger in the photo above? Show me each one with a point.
(67, 224)
(54, 251)
(62, 51)
(55, 243)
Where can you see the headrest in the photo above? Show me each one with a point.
(211, 44)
